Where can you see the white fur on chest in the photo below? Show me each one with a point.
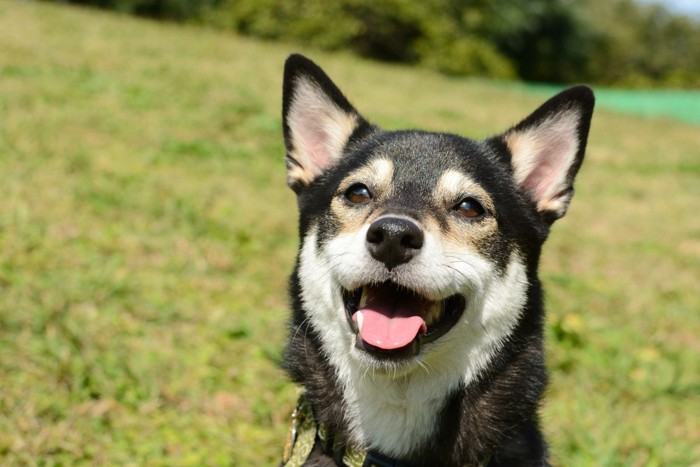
(394, 414)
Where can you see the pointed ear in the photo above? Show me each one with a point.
(318, 121)
(547, 149)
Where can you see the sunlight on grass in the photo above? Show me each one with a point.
(146, 235)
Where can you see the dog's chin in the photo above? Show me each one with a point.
(384, 318)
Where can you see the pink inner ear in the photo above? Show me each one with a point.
(550, 167)
(319, 130)
(315, 144)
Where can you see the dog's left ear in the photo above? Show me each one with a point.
(318, 121)
(547, 149)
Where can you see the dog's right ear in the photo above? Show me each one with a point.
(546, 149)
(318, 121)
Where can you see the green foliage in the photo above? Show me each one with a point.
(641, 46)
(557, 41)
(548, 40)
(466, 56)
(291, 20)
(178, 10)
(431, 32)
(539, 40)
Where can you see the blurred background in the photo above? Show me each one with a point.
(612, 42)
(146, 231)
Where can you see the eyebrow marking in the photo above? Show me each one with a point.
(454, 184)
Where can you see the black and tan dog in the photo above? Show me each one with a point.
(417, 320)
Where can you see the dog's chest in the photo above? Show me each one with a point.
(395, 416)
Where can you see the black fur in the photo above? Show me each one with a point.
(494, 420)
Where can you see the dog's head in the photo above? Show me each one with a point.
(415, 244)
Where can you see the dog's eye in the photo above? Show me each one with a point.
(469, 207)
(358, 194)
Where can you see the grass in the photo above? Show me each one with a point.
(146, 234)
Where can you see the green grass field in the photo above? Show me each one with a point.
(146, 233)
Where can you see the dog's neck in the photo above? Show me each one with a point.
(448, 417)
(396, 414)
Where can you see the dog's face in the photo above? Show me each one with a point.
(418, 248)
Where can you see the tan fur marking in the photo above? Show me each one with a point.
(377, 175)
(452, 187)
(297, 174)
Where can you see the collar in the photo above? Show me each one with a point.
(304, 433)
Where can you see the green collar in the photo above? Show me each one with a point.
(302, 438)
(304, 433)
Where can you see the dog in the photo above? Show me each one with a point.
(417, 312)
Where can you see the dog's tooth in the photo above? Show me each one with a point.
(358, 319)
(363, 297)
(429, 315)
(434, 313)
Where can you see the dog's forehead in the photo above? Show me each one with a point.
(419, 161)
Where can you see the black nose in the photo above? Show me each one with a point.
(393, 240)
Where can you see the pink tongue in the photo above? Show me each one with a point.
(388, 333)
(391, 321)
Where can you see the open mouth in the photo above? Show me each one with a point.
(393, 322)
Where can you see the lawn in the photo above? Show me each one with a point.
(146, 234)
